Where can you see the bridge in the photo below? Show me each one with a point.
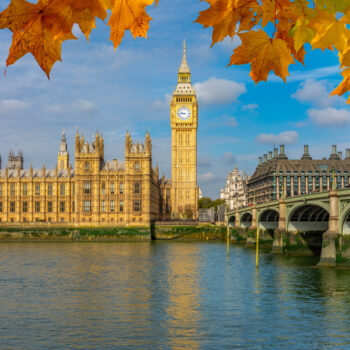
(317, 223)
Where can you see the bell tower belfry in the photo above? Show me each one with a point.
(184, 124)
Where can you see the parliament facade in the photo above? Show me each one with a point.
(99, 192)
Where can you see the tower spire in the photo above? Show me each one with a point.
(184, 65)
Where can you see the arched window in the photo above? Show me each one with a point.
(137, 166)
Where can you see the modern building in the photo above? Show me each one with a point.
(101, 192)
(236, 189)
(276, 176)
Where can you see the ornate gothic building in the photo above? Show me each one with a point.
(101, 192)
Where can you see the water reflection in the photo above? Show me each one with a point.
(155, 295)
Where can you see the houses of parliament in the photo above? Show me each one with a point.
(97, 191)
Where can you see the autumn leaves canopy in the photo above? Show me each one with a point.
(273, 33)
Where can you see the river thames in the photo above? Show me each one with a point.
(167, 295)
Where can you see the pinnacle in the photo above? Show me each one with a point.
(184, 65)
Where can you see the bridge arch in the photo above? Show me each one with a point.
(308, 217)
(232, 221)
(246, 220)
(345, 223)
(268, 219)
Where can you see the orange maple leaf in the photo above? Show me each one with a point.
(344, 86)
(129, 15)
(264, 54)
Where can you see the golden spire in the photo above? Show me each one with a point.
(184, 66)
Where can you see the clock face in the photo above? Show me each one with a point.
(183, 113)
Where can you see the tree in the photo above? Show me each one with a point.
(273, 33)
(206, 203)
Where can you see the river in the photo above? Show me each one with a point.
(167, 295)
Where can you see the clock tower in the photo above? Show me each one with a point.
(184, 123)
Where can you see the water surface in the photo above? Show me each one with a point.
(167, 295)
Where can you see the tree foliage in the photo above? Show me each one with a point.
(273, 33)
(206, 203)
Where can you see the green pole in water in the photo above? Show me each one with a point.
(257, 249)
(228, 240)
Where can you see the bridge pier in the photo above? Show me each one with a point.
(251, 239)
(277, 245)
(329, 253)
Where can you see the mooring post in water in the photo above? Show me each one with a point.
(257, 249)
(228, 239)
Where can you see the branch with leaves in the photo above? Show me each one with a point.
(273, 33)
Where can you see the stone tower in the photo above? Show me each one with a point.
(184, 124)
(15, 162)
(63, 155)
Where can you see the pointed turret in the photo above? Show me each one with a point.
(63, 155)
(148, 143)
(184, 68)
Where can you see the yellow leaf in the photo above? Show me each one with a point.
(328, 32)
(270, 9)
(344, 86)
(17, 15)
(129, 15)
(264, 54)
(301, 33)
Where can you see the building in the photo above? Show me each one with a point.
(276, 176)
(184, 123)
(236, 189)
(101, 192)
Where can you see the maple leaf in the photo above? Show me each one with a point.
(129, 15)
(344, 86)
(333, 5)
(329, 32)
(301, 33)
(264, 54)
(270, 9)
(224, 15)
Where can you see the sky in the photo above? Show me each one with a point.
(95, 87)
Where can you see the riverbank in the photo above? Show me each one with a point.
(86, 234)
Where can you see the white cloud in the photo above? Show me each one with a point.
(329, 116)
(208, 178)
(250, 107)
(286, 137)
(317, 93)
(229, 158)
(12, 105)
(84, 106)
(229, 121)
(219, 91)
(164, 103)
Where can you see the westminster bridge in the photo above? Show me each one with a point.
(316, 222)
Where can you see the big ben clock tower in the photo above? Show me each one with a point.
(184, 123)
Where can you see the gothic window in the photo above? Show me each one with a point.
(0, 189)
(37, 207)
(25, 190)
(62, 207)
(180, 139)
(103, 206)
(62, 189)
(112, 188)
(25, 207)
(37, 189)
(49, 207)
(87, 188)
(121, 206)
(12, 190)
(103, 188)
(49, 189)
(112, 206)
(73, 206)
(187, 139)
(87, 166)
(137, 205)
(121, 188)
(137, 188)
(87, 206)
(62, 164)
(137, 166)
(12, 207)
(73, 188)
(0, 207)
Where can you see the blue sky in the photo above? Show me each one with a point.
(97, 88)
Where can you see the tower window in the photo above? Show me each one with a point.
(137, 166)
(62, 207)
(112, 188)
(103, 206)
(137, 188)
(87, 188)
(37, 207)
(121, 206)
(37, 189)
(25, 190)
(12, 190)
(62, 189)
(137, 205)
(49, 207)
(121, 188)
(87, 205)
(87, 166)
(112, 206)
(49, 189)
(25, 207)
(103, 188)
(12, 207)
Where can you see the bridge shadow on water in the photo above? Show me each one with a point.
(313, 239)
